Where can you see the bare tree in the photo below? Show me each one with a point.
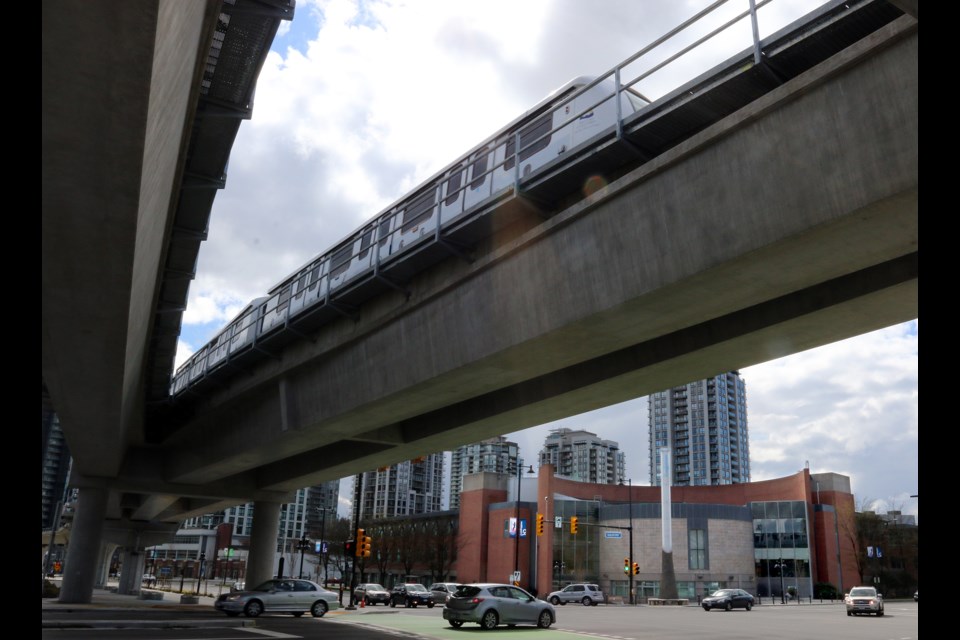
(442, 547)
(848, 523)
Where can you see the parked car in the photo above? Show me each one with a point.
(490, 604)
(411, 594)
(370, 593)
(276, 596)
(728, 599)
(442, 591)
(864, 600)
(586, 594)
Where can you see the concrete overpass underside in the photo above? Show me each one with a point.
(788, 225)
(141, 104)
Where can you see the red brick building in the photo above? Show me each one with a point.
(768, 537)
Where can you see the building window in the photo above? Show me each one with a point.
(697, 548)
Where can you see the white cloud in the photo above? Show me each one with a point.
(184, 351)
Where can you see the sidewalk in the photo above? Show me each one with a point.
(164, 609)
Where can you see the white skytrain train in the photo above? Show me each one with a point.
(441, 216)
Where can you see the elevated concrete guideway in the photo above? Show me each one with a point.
(790, 224)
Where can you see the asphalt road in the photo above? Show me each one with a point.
(766, 622)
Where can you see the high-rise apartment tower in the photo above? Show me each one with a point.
(581, 455)
(494, 455)
(704, 425)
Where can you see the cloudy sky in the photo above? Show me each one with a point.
(360, 101)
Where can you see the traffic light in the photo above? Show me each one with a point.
(626, 565)
(636, 568)
(573, 525)
(539, 524)
(348, 546)
(363, 544)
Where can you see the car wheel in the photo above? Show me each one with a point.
(586, 601)
(849, 613)
(880, 613)
(749, 606)
(297, 614)
(554, 600)
(706, 608)
(545, 619)
(392, 604)
(407, 604)
(319, 608)
(727, 607)
(456, 624)
(429, 605)
(368, 602)
(490, 620)
(253, 609)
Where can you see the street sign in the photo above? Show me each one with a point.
(558, 522)
(515, 576)
(512, 528)
(612, 534)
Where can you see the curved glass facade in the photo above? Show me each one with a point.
(781, 548)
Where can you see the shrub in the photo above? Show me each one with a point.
(825, 591)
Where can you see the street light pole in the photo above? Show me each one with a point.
(783, 599)
(323, 542)
(303, 548)
(516, 530)
(633, 599)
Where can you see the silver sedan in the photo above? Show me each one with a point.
(276, 596)
(491, 604)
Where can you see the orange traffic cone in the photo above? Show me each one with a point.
(363, 602)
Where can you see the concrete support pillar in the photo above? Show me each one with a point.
(131, 572)
(263, 542)
(102, 572)
(668, 577)
(87, 531)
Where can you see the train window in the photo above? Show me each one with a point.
(419, 209)
(284, 298)
(300, 284)
(341, 260)
(383, 231)
(533, 137)
(453, 185)
(314, 276)
(365, 241)
(478, 169)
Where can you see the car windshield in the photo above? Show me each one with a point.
(416, 587)
(865, 591)
(723, 592)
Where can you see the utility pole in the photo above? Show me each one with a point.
(356, 525)
(323, 542)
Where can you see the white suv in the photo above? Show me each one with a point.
(586, 594)
(864, 600)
